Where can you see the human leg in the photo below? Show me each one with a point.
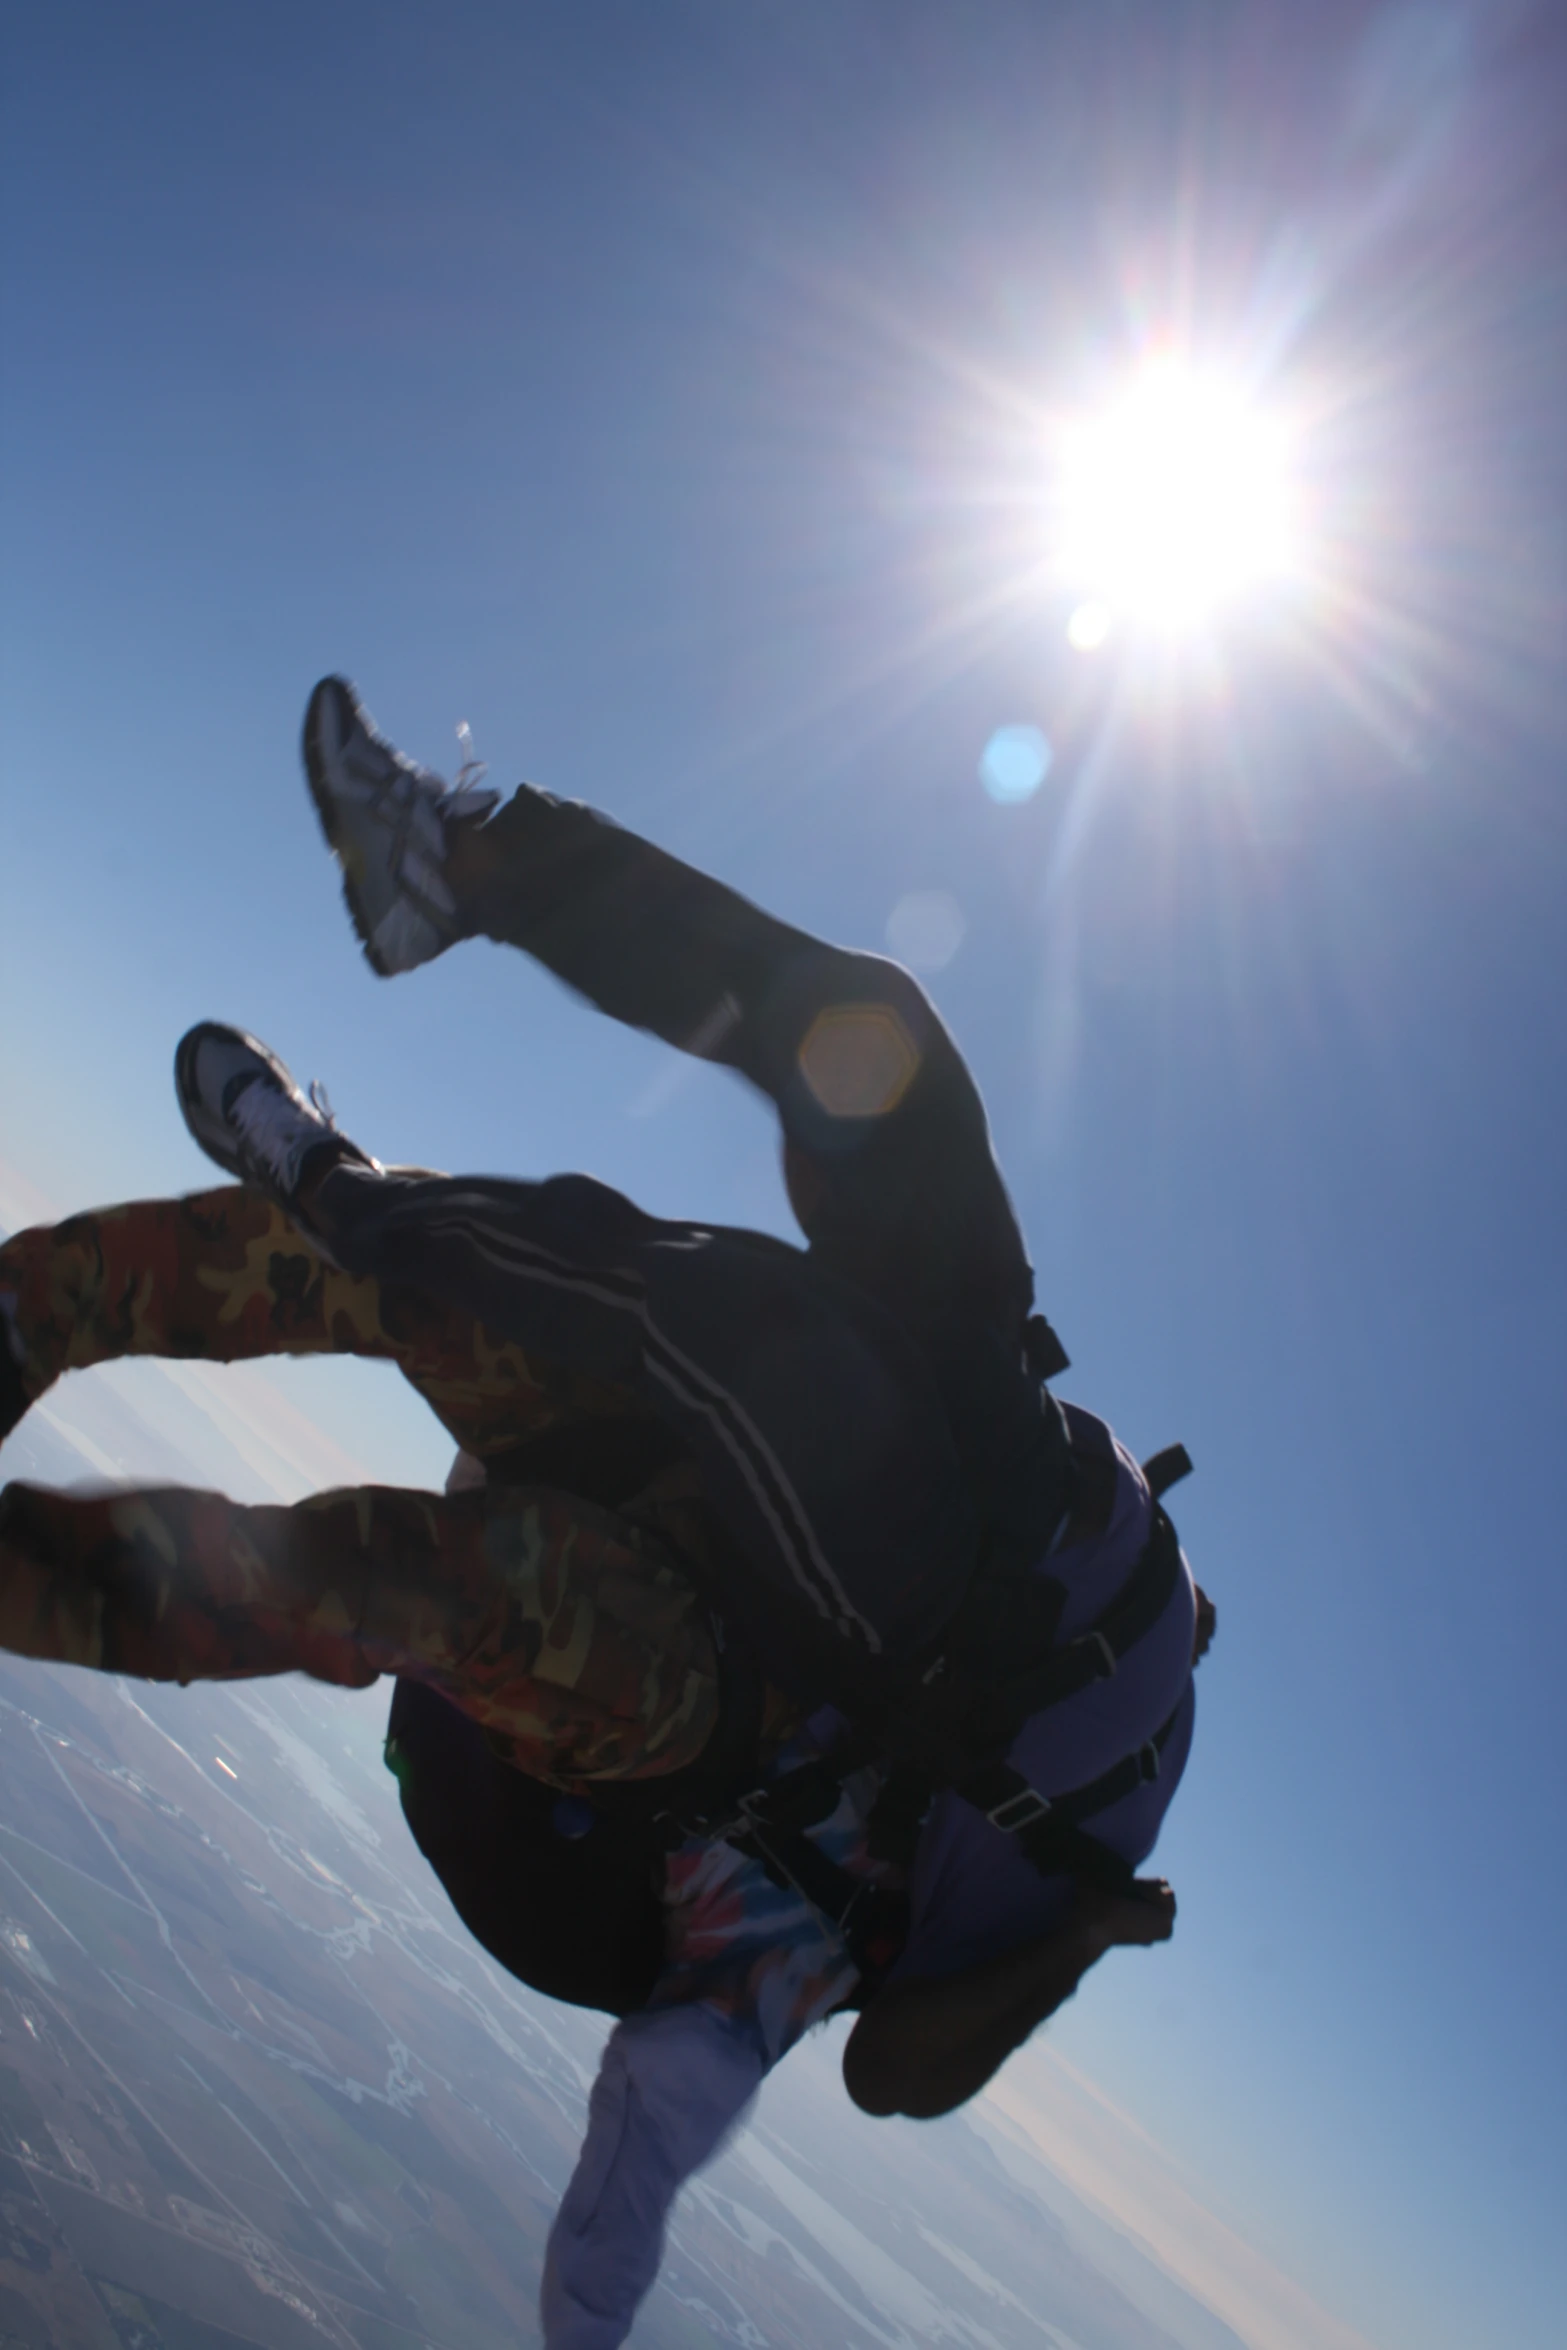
(548, 1622)
(886, 1147)
(888, 1151)
(818, 1426)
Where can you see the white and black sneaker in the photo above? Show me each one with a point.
(245, 1111)
(386, 821)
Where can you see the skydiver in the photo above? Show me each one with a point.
(839, 1441)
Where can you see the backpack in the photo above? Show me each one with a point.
(579, 1918)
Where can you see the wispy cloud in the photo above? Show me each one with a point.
(1110, 2160)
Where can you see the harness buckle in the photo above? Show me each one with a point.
(1019, 1811)
(748, 1815)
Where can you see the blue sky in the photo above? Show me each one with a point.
(667, 391)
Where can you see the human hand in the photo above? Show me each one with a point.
(1136, 1919)
(1207, 1625)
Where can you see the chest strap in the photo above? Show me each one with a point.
(771, 1824)
(872, 1919)
(1095, 1653)
(1049, 1828)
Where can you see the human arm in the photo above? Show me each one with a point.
(923, 2048)
(672, 2084)
(223, 1276)
(219, 1276)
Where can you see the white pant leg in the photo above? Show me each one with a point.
(672, 2085)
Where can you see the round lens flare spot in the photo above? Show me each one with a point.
(1014, 764)
(859, 1060)
(1088, 627)
(925, 929)
(1172, 504)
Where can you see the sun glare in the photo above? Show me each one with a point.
(1174, 503)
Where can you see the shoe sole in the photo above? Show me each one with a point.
(315, 759)
(207, 1128)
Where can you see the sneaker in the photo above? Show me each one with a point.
(385, 821)
(245, 1111)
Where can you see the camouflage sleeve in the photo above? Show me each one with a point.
(578, 1645)
(224, 1277)
(220, 1276)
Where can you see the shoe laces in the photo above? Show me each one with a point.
(463, 796)
(279, 1127)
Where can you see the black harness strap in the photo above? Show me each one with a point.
(1050, 1832)
(1167, 1468)
(772, 1826)
(1095, 1654)
(872, 1920)
(898, 1815)
(772, 1823)
(1048, 1827)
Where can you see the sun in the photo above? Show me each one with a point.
(1174, 503)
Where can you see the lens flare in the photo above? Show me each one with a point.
(1014, 764)
(1088, 627)
(1174, 502)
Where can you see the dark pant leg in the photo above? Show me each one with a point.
(886, 1146)
(890, 1155)
(815, 1421)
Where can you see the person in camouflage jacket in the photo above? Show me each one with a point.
(568, 1631)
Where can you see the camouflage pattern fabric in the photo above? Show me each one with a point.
(224, 1277)
(565, 1630)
